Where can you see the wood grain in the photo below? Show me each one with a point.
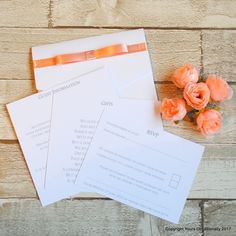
(11, 90)
(215, 177)
(219, 53)
(220, 214)
(6, 128)
(87, 217)
(206, 39)
(134, 13)
(20, 13)
(168, 49)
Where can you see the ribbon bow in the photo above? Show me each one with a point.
(110, 51)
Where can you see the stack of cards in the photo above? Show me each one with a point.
(93, 127)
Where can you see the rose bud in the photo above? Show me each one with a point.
(197, 95)
(185, 74)
(219, 88)
(173, 109)
(209, 122)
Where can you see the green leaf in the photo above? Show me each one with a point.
(213, 105)
(191, 114)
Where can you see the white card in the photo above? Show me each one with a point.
(72, 132)
(32, 116)
(130, 70)
(130, 161)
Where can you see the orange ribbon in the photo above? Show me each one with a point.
(110, 51)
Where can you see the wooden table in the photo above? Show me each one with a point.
(200, 32)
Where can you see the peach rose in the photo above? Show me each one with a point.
(197, 95)
(185, 74)
(173, 109)
(219, 88)
(209, 122)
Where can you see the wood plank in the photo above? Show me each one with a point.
(190, 219)
(215, 177)
(14, 174)
(168, 48)
(172, 49)
(220, 214)
(11, 90)
(20, 13)
(86, 217)
(219, 53)
(216, 173)
(6, 128)
(134, 13)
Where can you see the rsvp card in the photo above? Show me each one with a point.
(131, 161)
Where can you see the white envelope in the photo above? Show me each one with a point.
(132, 73)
